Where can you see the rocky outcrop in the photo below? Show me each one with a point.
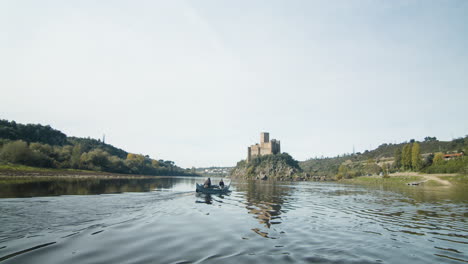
(269, 167)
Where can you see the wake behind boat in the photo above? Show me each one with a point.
(214, 189)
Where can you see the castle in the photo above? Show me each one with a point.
(264, 148)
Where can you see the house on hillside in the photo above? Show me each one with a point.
(453, 156)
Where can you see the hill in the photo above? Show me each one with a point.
(42, 146)
(274, 166)
(382, 159)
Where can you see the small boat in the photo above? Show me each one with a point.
(214, 189)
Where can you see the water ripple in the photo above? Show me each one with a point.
(259, 222)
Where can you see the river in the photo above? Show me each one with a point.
(163, 220)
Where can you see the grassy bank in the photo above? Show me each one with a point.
(402, 179)
(378, 180)
(23, 170)
(10, 168)
(458, 179)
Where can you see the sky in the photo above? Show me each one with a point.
(196, 82)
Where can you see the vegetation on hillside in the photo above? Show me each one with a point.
(42, 146)
(31, 133)
(426, 156)
(277, 166)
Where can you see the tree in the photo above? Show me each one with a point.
(466, 144)
(75, 156)
(31, 133)
(137, 158)
(342, 172)
(397, 162)
(416, 157)
(406, 157)
(372, 168)
(428, 160)
(117, 165)
(19, 152)
(154, 164)
(43, 148)
(438, 158)
(385, 170)
(95, 160)
(16, 152)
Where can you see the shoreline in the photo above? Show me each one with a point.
(434, 180)
(21, 171)
(12, 172)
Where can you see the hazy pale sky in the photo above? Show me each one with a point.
(197, 81)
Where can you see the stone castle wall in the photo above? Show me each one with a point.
(265, 147)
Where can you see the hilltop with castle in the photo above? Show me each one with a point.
(260, 164)
(265, 147)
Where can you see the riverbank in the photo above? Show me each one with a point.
(22, 173)
(407, 178)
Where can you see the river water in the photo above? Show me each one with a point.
(164, 220)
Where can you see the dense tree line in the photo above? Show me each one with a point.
(440, 165)
(370, 167)
(42, 146)
(88, 144)
(426, 156)
(31, 133)
(412, 160)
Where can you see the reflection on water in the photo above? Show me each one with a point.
(158, 220)
(85, 186)
(210, 198)
(205, 198)
(264, 200)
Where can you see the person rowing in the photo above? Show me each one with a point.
(221, 184)
(207, 183)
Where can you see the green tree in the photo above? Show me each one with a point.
(438, 158)
(416, 157)
(75, 156)
(372, 168)
(342, 172)
(466, 145)
(95, 160)
(135, 162)
(428, 160)
(406, 157)
(16, 152)
(155, 164)
(43, 148)
(117, 165)
(20, 153)
(385, 170)
(397, 162)
(62, 156)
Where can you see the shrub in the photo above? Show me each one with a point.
(16, 152)
(449, 166)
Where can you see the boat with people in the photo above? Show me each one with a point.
(213, 189)
(209, 188)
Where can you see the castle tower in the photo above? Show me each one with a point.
(266, 147)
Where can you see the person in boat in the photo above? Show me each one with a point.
(207, 183)
(221, 184)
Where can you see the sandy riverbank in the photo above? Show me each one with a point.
(403, 178)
